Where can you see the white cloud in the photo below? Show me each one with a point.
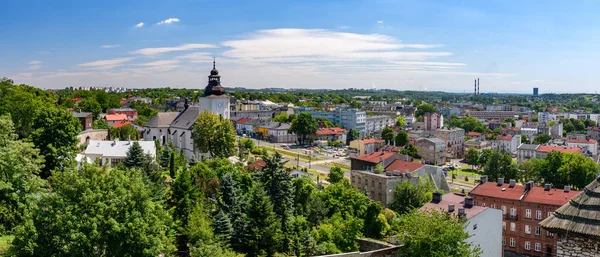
(139, 25)
(44, 53)
(109, 46)
(380, 22)
(105, 64)
(168, 21)
(159, 63)
(34, 62)
(161, 50)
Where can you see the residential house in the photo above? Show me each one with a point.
(476, 135)
(432, 150)
(478, 144)
(594, 133)
(526, 152)
(241, 125)
(85, 118)
(111, 119)
(589, 146)
(544, 150)
(455, 141)
(370, 160)
(280, 133)
(130, 113)
(523, 207)
(510, 131)
(433, 121)
(508, 143)
(299, 174)
(112, 153)
(257, 165)
(483, 224)
(332, 134)
(365, 146)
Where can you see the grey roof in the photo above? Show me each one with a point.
(528, 147)
(161, 120)
(282, 126)
(123, 109)
(117, 148)
(433, 139)
(81, 114)
(254, 122)
(187, 118)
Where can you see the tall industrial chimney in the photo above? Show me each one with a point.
(477, 86)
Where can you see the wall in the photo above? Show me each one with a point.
(370, 248)
(488, 234)
(578, 247)
(96, 134)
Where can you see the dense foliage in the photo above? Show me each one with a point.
(560, 169)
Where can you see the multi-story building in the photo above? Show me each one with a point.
(488, 115)
(508, 143)
(589, 146)
(432, 150)
(374, 124)
(332, 134)
(544, 150)
(433, 121)
(523, 207)
(455, 141)
(365, 146)
(556, 130)
(526, 152)
(594, 133)
(484, 224)
(85, 118)
(348, 118)
(545, 117)
(130, 113)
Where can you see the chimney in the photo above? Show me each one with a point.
(186, 105)
(477, 86)
(483, 179)
(437, 197)
(528, 186)
(468, 202)
(461, 212)
(500, 181)
(512, 183)
(567, 189)
(547, 187)
(450, 207)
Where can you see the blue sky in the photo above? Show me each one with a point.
(511, 46)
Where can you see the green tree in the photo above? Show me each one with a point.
(165, 157)
(135, 156)
(214, 135)
(511, 121)
(542, 139)
(100, 124)
(304, 188)
(379, 168)
(90, 105)
(186, 195)
(408, 196)
(203, 242)
(265, 233)
(335, 175)
(424, 108)
(433, 233)
(472, 156)
(400, 121)
(500, 165)
(55, 134)
(283, 117)
(90, 212)
(387, 134)
(483, 156)
(353, 134)
(222, 227)
(410, 150)
(524, 139)
(579, 170)
(326, 123)
(375, 225)
(304, 126)
(401, 138)
(19, 182)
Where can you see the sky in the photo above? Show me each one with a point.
(512, 46)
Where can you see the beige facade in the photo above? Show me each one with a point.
(455, 141)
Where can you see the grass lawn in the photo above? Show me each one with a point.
(313, 172)
(5, 243)
(466, 171)
(344, 167)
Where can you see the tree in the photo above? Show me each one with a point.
(376, 225)
(335, 175)
(283, 117)
(511, 121)
(222, 227)
(541, 139)
(55, 134)
(408, 196)
(353, 134)
(186, 195)
(379, 168)
(203, 241)
(483, 157)
(135, 156)
(578, 169)
(214, 135)
(524, 139)
(433, 233)
(19, 182)
(500, 165)
(410, 150)
(424, 108)
(90, 212)
(90, 105)
(472, 156)
(401, 138)
(324, 122)
(100, 124)
(400, 121)
(387, 134)
(304, 126)
(265, 233)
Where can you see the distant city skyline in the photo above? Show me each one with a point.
(403, 45)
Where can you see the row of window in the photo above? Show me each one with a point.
(367, 182)
(537, 246)
(527, 229)
(513, 212)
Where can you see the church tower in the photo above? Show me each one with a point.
(214, 98)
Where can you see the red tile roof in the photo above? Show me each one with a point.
(243, 120)
(453, 199)
(562, 149)
(374, 157)
(554, 196)
(505, 129)
(474, 134)
(257, 165)
(403, 166)
(490, 189)
(371, 141)
(330, 131)
(594, 128)
(121, 124)
(582, 141)
(116, 117)
(505, 137)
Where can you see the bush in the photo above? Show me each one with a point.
(467, 178)
(453, 176)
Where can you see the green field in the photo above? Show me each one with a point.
(5, 244)
(344, 167)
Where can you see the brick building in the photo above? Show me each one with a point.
(455, 141)
(523, 207)
(130, 113)
(433, 121)
(85, 118)
(432, 150)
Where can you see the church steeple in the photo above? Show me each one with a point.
(214, 82)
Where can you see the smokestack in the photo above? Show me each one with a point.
(477, 86)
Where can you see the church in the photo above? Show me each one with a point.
(176, 127)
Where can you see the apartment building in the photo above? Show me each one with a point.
(375, 124)
(455, 141)
(348, 118)
(489, 115)
(432, 150)
(433, 121)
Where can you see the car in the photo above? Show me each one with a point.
(286, 147)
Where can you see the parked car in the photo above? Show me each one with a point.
(286, 147)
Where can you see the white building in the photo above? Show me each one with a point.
(526, 152)
(483, 224)
(346, 118)
(587, 144)
(375, 124)
(545, 117)
(114, 152)
(508, 143)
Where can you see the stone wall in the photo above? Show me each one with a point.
(572, 246)
(94, 134)
(370, 248)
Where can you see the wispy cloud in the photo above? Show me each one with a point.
(139, 25)
(169, 21)
(105, 64)
(159, 63)
(34, 62)
(34, 65)
(161, 50)
(43, 53)
(379, 22)
(109, 46)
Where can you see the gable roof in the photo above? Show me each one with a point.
(187, 118)
(121, 123)
(117, 149)
(371, 141)
(582, 141)
(474, 134)
(491, 189)
(504, 137)
(243, 121)
(374, 157)
(562, 149)
(257, 165)
(554, 196)
(161, 120)
(528, 147)
(330, 131)
(115, 117)
(403, 166)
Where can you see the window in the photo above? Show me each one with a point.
(528, 213)
(527, 229)
(549, 234)
(527, 245)
(512, 226)
(537, 231)
(538, 215)
(512, 242)
(503, 225)
(373, 183)
(513, 211)
(494, 206)
(503, 210)
(483, 204)
(474, 226)
(379, 185)
(538, 247)
(503, 241)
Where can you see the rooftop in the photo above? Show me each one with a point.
(403, 166)
(505, 137)
(161, 120)
(582, 141)
(115, 117)
(474, 134)
(491, 189)
(433, 140)
(122, 123)
(243, 120)
(81, 114)
(458, 200)
(117, 149)
(257, 165)
(330, 131)
(371, 141)
(528, 147)
(553, 197)
(562, 149)
(374, 157)
(594, 128)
